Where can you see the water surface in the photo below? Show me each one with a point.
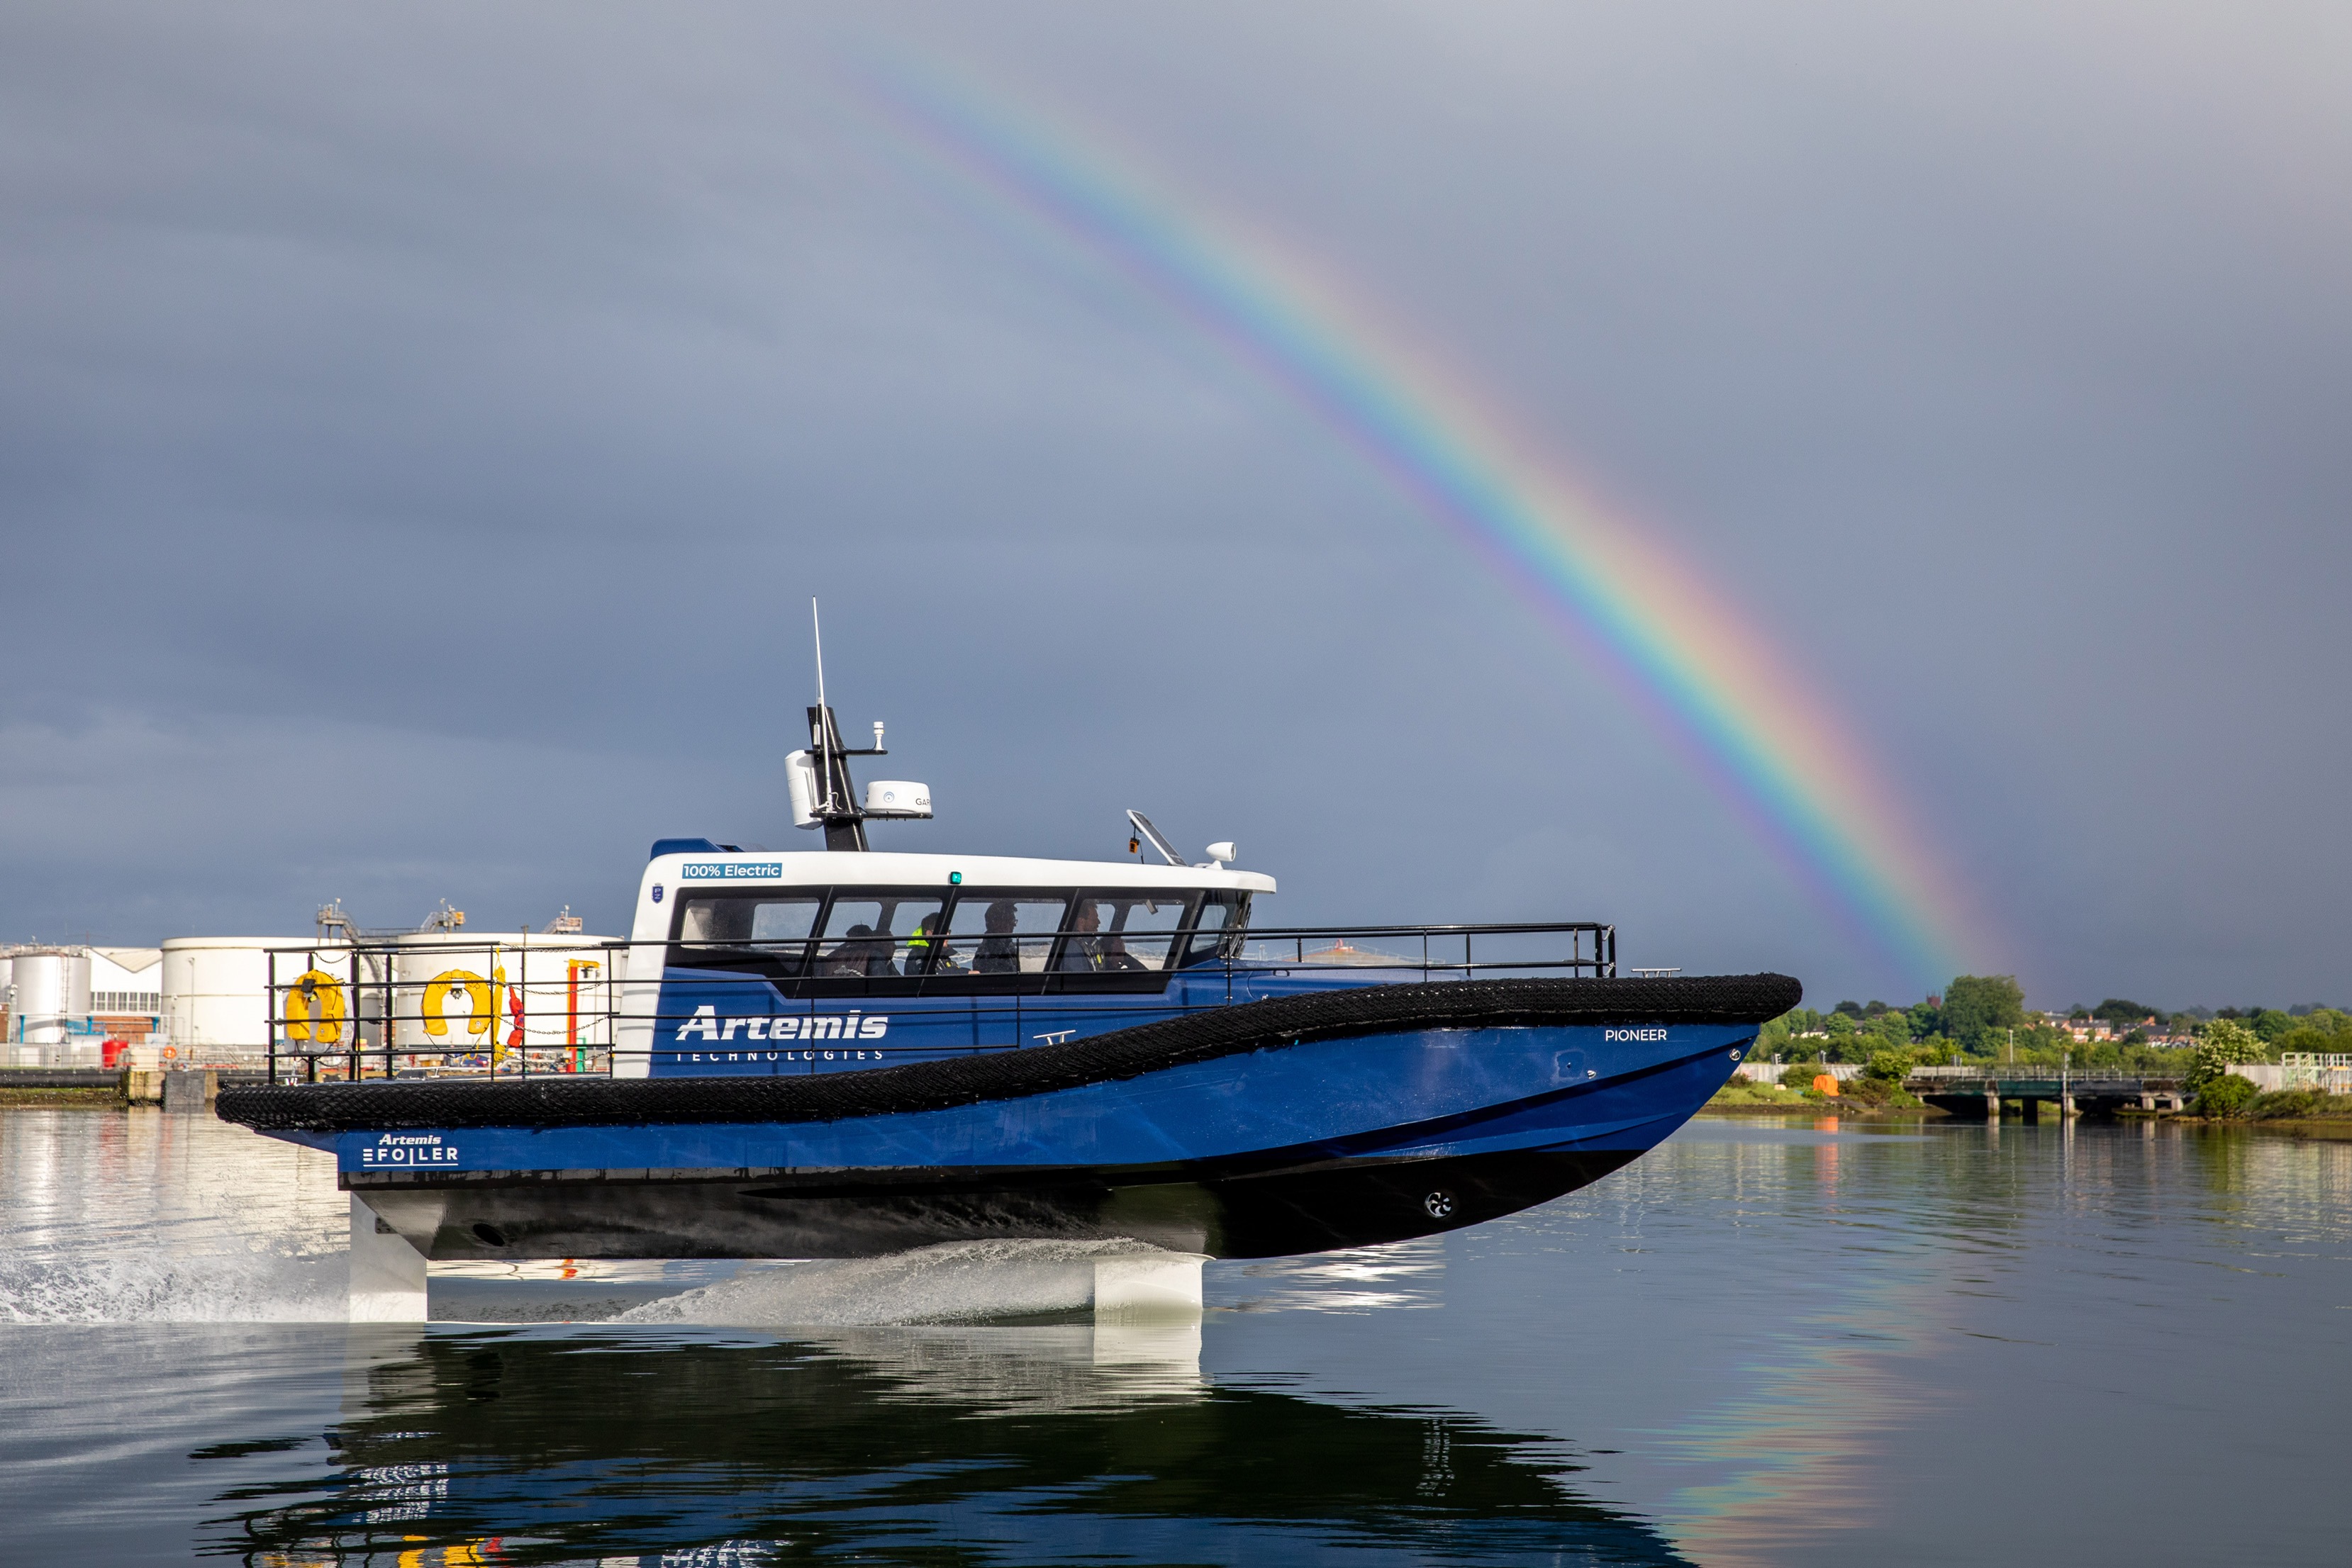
(1760, 1345)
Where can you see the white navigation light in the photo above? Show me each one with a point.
(1223, 850)
(897, 798)
(799, 777)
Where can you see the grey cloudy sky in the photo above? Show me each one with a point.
(422, 428)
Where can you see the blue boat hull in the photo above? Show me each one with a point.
(1265, 1214)
(1300, 1148)
(1286, 1124)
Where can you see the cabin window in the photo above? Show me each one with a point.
(1131, 930)
(1221, 914)
(876, 941)
(1003, 933)
(873, 935)
(767, 932)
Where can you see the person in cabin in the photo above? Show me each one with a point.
(999, 952)
(860, 954)
(919, 948)
(1081, 954)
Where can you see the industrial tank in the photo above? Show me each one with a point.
(459, 996)
(216, 996)
(52, 987)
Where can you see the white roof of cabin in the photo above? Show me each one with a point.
(851, 868)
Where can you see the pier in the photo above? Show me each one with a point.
(1979, 1091)
(175, 1088)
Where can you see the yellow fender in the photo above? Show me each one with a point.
(314, 1007)
(482, 1001)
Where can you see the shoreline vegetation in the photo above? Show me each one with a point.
(1981, 1020)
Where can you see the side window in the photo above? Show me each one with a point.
(871, 934)
(1001, 933)
(1122, 930)
(1221, 914)
(766, 932)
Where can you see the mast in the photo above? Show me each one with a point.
(838, 808)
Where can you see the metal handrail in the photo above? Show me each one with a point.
(369, 1034)
(358, 1056)
(1603, 962)
(2035, 1072)
(1508, 928)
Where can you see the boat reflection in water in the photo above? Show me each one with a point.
(1018, 1444)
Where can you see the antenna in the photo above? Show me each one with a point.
(818, 627)
(823, 793)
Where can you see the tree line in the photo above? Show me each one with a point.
(1982, 1017)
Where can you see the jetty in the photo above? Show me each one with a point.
(175, 1088)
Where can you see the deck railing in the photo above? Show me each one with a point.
(539, 1005)
(1436, 952)
(485, 1008)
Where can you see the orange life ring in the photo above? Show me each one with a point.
(170, 1051)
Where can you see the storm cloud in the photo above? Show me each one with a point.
(422, 430)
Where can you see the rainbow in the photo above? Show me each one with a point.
(1680, 650)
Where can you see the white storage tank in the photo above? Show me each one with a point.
(459, 995)
(11, 1054)
(52, 987)
(215, 997)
